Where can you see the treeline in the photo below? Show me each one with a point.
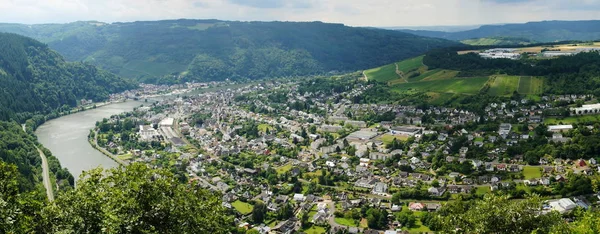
(37, 80)
(575, 74)
(18, 148)
(159, 51)
(135, 199)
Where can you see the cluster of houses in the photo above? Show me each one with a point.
(217, 135)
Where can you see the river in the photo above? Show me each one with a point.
(66, 137)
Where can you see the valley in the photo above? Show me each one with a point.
(245, 127)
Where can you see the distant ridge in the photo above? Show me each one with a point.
(543, 31)
(172, 51)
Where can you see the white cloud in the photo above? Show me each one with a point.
(351, 12)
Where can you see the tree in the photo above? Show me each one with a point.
(135, 199)
(259, 212)
(376, 218)
(496, 214)
(18, 212)
(406, 218)
(285, 212)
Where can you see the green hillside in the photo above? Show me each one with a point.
(160, 51)
(37, 80)
(440, 85)
(543, 31)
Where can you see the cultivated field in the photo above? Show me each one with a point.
(531, 85)
(408, 65)
(503, 85)
(442, 75)
(456, 85)
(389, 73)
(383, 74)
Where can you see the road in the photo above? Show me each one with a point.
(331, 219)
(46, 175)
(45, 171)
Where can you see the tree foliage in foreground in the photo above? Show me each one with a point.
(132, 199)
(496, 214)
(499, 214)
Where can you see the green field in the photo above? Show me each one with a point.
(315, 230)
(503, 85)
(530, 85)
(408, 65)
(383, 74)
(283, 169)
(345, 222)
(463, 85)
(388, 72)
(387, 138)
(439, 99)
(419, 228)
(481, 190)
(242, 207)
(424, 75)
(442, 75)
(573, 119)
(531, 172)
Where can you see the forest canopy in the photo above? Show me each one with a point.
(37, 80)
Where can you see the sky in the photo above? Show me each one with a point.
(377, 13)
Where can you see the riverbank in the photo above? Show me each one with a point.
(95, 145)
(67, 137)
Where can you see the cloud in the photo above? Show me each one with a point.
(269, 4)
(509, 1)
(350, 12)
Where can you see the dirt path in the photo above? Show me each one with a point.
(400, 73)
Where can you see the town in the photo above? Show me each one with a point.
(291, 157)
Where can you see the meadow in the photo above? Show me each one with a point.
(503, 85)
(457, 85)
(531, 85)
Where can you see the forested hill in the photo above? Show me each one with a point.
(37, 80)
(544, 31)
(216, 50)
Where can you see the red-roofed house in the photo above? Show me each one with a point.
(416, 206)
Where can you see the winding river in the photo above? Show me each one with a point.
(66, 137)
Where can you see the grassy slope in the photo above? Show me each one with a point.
(503, 85)
(531, 85)
(388, 72)
(441, 85)
(463, 85)
(383, 74)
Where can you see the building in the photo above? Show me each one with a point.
(166, 122)
(380, 188)
(560, 128)
(504, 129)
(358, 124)
(586, 109)
(562, 205)
(498, 53)
(550, 54)
(410, 131)
(361, 135)
(331, 128)
(147, 133)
